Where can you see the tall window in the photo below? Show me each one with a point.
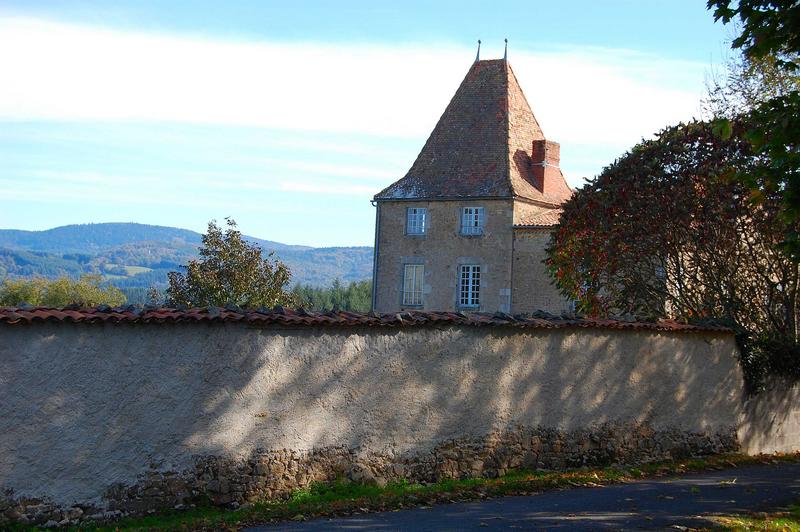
(412, 284)
(416, 222)
(472, 220)
(469, 286)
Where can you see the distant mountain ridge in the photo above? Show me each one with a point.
(80, 238)
(133, 255)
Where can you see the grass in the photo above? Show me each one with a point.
(130, 270)
(778, 521)
(340, 497)
(134, 270)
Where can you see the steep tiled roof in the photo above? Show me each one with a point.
(481, 146)
(286, 317)
(548, 218)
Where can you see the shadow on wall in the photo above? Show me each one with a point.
(771, 420)
(522, 160)
(85, 407)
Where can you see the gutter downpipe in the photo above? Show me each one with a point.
(375, 253)
(513, 258)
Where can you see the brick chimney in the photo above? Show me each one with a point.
(545, 158)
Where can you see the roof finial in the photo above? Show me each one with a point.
(505, 53)
(478, 56)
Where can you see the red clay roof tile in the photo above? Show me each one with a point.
(549, 218)
(481, 146)
(303, 318)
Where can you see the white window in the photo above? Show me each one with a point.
(412, 284)
(469, 286)
(472, 221)
(416, 222)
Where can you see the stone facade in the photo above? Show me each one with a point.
(487, 151)
(441, 250)
(513, 277)
(533, 287)
(275, 474)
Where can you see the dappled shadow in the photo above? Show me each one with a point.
(771, 419)
(94, 406)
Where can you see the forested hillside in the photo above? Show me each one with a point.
(136, 256)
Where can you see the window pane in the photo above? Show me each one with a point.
(472, 220)
(415, 220)
(413, 283)
(469, 285)
(418, 279)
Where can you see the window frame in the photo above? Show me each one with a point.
(471, 290)
(420, 214)
(416, 292)
(473, 220)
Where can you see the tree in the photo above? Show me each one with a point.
(230, 271)
(88, 291)
(771, 28)
(355, 297)
(665, 232)
(747, 83)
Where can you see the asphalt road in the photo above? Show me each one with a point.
(666, 503)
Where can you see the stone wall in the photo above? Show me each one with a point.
(97, 420)
(441, 250)
(533, 286)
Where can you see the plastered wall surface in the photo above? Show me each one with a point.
(771, 420)
(85, 406)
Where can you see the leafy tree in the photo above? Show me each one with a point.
(665, 232)
(771, 28)
(230, 271)
(355, 297)
(88, 291)
(747, 83)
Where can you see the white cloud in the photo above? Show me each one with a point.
(51, 70)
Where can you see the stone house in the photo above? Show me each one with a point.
(467, 226)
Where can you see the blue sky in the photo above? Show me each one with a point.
(290, 116)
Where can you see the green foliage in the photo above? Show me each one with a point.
(747, 83)
(340, 497)
(771, 29)
(140, 295)
(21, 263)
(784, 521)
(665, 232)
(88, 291)
(354, 297)
(140, 256)
(230, 271)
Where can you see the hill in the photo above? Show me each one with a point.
(136, 256)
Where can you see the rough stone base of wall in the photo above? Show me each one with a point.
(275, 474)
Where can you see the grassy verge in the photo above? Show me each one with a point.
(342, 498)
(778, 521)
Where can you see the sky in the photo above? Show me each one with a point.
(290, 116)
